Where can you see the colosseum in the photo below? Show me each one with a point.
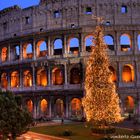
(44, 50)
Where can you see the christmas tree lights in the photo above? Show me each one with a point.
(101, 102)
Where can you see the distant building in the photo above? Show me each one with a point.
(44, 50)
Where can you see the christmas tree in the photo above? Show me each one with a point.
(101, 102)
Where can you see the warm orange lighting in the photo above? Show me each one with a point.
(4, 54)
(113, 77)
(44, 105)
(4, 81)
(27, 79)
(42, 78)
(130, 103)
(128, 73)
(57, 76)
(30, 105)
(14, 79)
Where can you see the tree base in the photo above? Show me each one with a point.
(103, 131)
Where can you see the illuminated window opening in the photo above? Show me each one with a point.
(57, 76)
(30, 105)
(4, 54)
(14, 79)
(76, 107)
(42, 78)
(113, 77)
(44, 106)
(27, 79)
(128, 73)
(4, 80)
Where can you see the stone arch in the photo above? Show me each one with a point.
(4, 54)
(41, 49)
(129, 104)
(42, 77)
(125, 42)
(27, 78)
(27, 51)
(113, 77)
(75, 75)
(73, 45)
(57, 76)
(4, 80)
(29, 104)
(89, 42)
(109, 40)
(76, 107)
(128, 73)
(15, 79)
(44, 106)
(59, 108)
(58, 47)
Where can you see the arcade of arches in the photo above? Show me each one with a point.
(58, 108)
(57, 76)
(71, 45)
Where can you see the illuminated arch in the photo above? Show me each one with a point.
(27, 51)
(27, 78)
(15, 79)
(114, 75)
(4, 54)
(4, 80)
(41, 49)
(75, 76)
(125, 42)
(89, 42)
(73, 45)
(57, 76)
(129, 104)
(58, 46)
(128, 73)
(43, 106)
(76, 107)
(41, 77)
(29, 104)
(109, 40)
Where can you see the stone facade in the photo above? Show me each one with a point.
(65, 20)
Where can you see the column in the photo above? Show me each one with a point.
(49, 46)
(118, 47)
(65, 50)
(9, 80)
(67, 107)
(34, 82)
(34, 108)
(49, 76)
(65, 74)
(9, 55)
(135, 45)
(21, 51)
(21, 78)
(81, 43)
(34, 49)
(50, 107)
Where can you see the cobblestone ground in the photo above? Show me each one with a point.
(35, 136)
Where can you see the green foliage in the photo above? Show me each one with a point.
(14, 119)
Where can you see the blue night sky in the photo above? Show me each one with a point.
(21, 3)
